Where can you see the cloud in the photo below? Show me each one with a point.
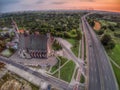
(87, 0)
(15, 5)
(39, 1)
(6, 2)
(58, 3)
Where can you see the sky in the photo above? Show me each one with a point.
(23, 5)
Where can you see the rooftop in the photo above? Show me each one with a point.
(33, 42)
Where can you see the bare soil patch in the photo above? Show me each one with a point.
(97, 25)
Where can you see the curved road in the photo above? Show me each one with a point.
(100, 73)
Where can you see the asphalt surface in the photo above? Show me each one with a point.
(75, 59)
(101, 76)
(50, 79)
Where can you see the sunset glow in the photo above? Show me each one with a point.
(21, 5)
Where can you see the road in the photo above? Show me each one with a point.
(100, 73)
(74, 58)
(50, 79)
(78, 62)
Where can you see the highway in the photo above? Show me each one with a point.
(100, 73)
(54, 81)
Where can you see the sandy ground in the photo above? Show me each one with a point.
(15, 85)
(97, 25)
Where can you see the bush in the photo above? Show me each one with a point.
(12, 50)
(67, 35)
(91, 22)
(111, 28)
(118, 25)
(79, 35)
(100, 32)
(56, 46)
(70, 35)
(107, 41)
(117, 35)
(82, 79)
(111, 45)
(104, 27)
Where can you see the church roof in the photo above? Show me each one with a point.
(33, 42)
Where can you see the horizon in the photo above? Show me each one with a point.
(37, 5)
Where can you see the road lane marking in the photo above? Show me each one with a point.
(95, 69)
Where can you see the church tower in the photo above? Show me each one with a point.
(49, 44)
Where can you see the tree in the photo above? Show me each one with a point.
(104, 27)
(79, 34)
(118, 25)
(111, 45)
(111, 28)
(107, 41)
(91, 22)
(100, 32)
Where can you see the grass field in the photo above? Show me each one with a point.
(117, 74)
(75, 50)
(71, 41)
(54, 68)
(75, 44)
(67, 71)
(56, 74)
(6, 53)
(115, 54)
(61, 61)
(82, 79)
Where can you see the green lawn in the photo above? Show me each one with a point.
(6, 53)
(76, 73)
(56, 74)
(75, 48)
(84, 49)
(82, 79)
(61, 61)
(54, 68)
(115, 54)
(117, 74)
(67, 71)
(71, 41)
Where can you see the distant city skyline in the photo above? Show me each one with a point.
(23, 5)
